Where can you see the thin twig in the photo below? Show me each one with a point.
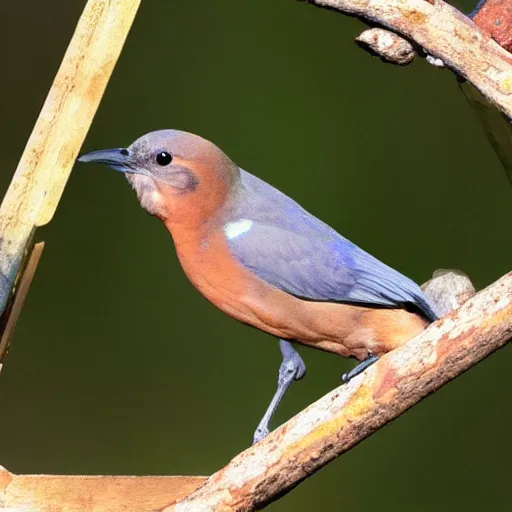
(14, 309)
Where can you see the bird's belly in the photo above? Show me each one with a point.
(349, 331)
(357, 331)
(344, 329)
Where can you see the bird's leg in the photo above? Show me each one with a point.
(292, 368)
(478, 6)
(360, 368)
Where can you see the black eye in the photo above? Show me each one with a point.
(163, 158)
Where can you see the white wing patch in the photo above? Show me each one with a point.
(235, 229)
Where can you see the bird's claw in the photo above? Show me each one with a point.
(259, 434)
(360, 368)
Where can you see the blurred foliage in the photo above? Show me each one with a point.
(119, 366)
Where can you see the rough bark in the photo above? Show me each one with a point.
(445, 33)
(352, 412)
(62, 493)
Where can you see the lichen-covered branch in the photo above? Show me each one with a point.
(354, 411)
(443, 32)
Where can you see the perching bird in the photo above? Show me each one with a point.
(264, 260)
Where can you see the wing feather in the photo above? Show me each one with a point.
(292, 250)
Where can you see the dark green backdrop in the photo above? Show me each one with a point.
(119, 366)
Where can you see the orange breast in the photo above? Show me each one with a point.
(340, 328)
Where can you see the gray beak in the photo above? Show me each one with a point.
(117, 158)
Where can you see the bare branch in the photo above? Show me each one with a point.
(65, 493)
(9, 319)
(62, 125)
(354, 411)
(443, 32)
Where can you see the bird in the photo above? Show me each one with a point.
(262, 259)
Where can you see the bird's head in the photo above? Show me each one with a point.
(178, 177)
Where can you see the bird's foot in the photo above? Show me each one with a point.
(292, 368)
(260, 432)
(360, 368)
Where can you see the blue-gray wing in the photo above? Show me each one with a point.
(321, 266)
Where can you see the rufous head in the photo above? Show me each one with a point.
(178, 177)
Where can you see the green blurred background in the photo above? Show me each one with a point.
(119, 366)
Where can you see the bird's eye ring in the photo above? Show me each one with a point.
(163, 158)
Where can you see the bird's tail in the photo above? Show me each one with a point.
(427, 309)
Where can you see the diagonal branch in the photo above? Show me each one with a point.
(61, 127)
(352, 412)
(443, 32)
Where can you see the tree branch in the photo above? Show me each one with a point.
(443, 32)
(61, 127)
(352, 412)
(66, 493)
